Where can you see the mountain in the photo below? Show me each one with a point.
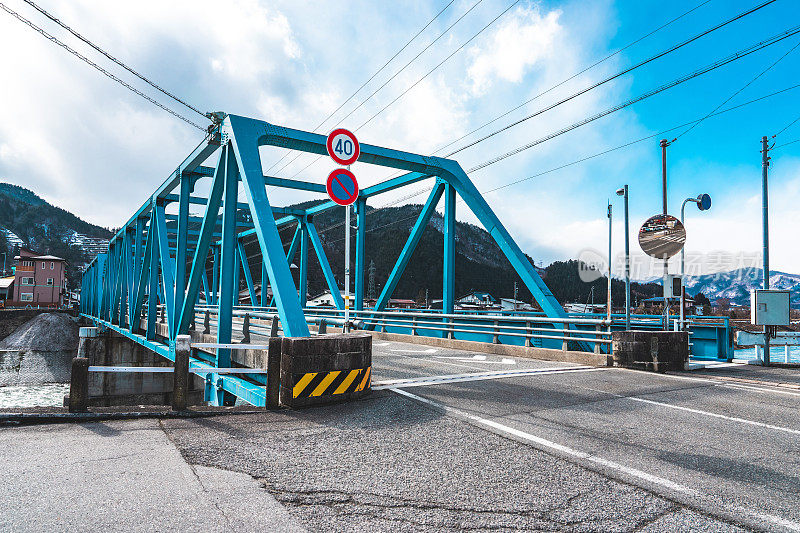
(28, 220)
(480, 264)
(736, 285)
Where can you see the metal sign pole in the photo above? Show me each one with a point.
(347, 269)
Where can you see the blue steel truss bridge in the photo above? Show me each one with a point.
(163, 273)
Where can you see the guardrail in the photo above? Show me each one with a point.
(557, 333)
(711, 337)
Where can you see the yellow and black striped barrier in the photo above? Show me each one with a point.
(325, 369)
(315, 384)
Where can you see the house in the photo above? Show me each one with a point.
(510, 304)
(323, 300)
(39, 280)
(6, 288)
(400, 303)
(477, 300)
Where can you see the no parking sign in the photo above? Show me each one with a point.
(342, 186)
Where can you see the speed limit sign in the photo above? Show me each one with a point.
(343, 146)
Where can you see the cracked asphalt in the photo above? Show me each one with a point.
(543, 450)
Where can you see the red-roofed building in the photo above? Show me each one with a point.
(39, 280)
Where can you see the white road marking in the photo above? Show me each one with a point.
(476, 376)
(478, 358)
(429, 350)
(381, 343)
(541, 442)
(721, 383)
(712, 415)
(508, 430)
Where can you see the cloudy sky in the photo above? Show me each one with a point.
(89, 145)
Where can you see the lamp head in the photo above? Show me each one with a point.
(621, 191)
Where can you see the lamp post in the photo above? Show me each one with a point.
(703, 202)
(608, 294)
(623, 191)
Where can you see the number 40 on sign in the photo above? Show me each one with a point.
(343, 147)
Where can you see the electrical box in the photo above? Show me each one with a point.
(672, 286)
(769, 307)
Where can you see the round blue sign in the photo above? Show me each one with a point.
(342, 186)
(704, 202)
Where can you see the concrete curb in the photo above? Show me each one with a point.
(543, 354)
(32, 419)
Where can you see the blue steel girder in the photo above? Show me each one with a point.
(245, 137)
(326, 267)
(411, 244)
(198, 269)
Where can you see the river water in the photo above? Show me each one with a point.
(46, 395)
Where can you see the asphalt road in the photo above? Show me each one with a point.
(461, 441)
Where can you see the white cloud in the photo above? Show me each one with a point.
(521, 41)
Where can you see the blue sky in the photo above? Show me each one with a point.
(90, 146)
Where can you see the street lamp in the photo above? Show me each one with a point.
(703, 202)
(623, 191)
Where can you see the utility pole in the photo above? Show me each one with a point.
(608, 295)
(515, 297)
(765, 228)
(664, 144)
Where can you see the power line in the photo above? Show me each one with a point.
(787, 144)
(615, 76)
(738, 55)
(371, 78)
(422, 78)
(384, 108)
(395, 55)
(586, 158)
(786, 127)
(392, 77)
(598, 62)
(114, 59)
(745, 86)
(97, 67)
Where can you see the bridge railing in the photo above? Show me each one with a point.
(531, 331)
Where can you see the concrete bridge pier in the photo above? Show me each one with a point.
(104, 389)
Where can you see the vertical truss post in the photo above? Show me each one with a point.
(215, 275)
(198, 271)
(228, 266)
(152, 294)
(449, 261)
(449, 274)
(303, 282)
(227, 258)
(248, 277)
(182, 241)
(264, 277)
(142, 274)
(134, 309)
(361, 235)
(167, 268)
(237, 272)
(206, 290)
(326, 267)
(410, 246)
(290, 256)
